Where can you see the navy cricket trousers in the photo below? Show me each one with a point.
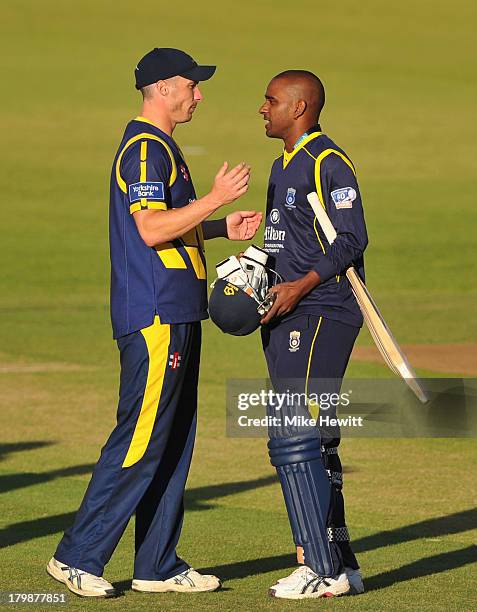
(308, 354)
(144, 464)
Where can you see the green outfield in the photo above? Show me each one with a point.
(401, 98)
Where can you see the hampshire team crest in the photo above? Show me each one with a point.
(290, 198)
(294, 341)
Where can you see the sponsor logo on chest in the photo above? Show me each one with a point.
(273, 234)
(275, 215)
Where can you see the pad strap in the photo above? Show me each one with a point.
(329, 451)
(336, 478)
(338, 534)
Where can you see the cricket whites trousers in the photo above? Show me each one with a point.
(144, 464)
(307, 355)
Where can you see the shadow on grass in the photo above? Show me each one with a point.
(19, 447)
(445, 525)
(29, 530)
(417, 569)
(11, 482)
(423, 567)
(198, 498)
(202, 498)
(430, 528)
(37, 528)
(244, 569)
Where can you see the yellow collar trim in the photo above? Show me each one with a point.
(144, 120)
(287, 157)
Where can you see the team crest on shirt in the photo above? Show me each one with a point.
(294, 341)
(184, 172)
(344, 197)
(290, 198)
(175, 360)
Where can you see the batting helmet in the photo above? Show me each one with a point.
(233, 310)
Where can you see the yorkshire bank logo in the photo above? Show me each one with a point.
(148, 190)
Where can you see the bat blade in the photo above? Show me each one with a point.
(386, 343)
(380, 332)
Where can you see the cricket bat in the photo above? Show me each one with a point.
(382, 336)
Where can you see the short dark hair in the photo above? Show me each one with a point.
(316, 87)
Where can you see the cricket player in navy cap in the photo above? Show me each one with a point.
(158, 298)
(309, 332)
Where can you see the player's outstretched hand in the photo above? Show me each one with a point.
(229, 185)
(243, 224)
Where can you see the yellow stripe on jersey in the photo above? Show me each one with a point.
(157, 337)
(308, 153)
(144, 136)
(143, 168)
(170, 256)
(314, 408)
(318, 236)
(144, 202)
(143, 162)
(191, 240)
(319, 190)
(200, 236)
(287, 157)
(156, 205)
(196, 262)
(318, 162)
(151, 205)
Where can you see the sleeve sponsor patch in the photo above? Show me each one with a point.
(344, 197)
(148, 190)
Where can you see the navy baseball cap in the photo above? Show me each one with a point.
(165, 63)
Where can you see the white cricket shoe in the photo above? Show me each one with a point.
(303, 583)
(355, 580)
(188, 581)
(79, 582)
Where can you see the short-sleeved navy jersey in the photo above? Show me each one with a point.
(149, 172)
(293, 237)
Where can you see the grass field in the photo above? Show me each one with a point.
(401, 94)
